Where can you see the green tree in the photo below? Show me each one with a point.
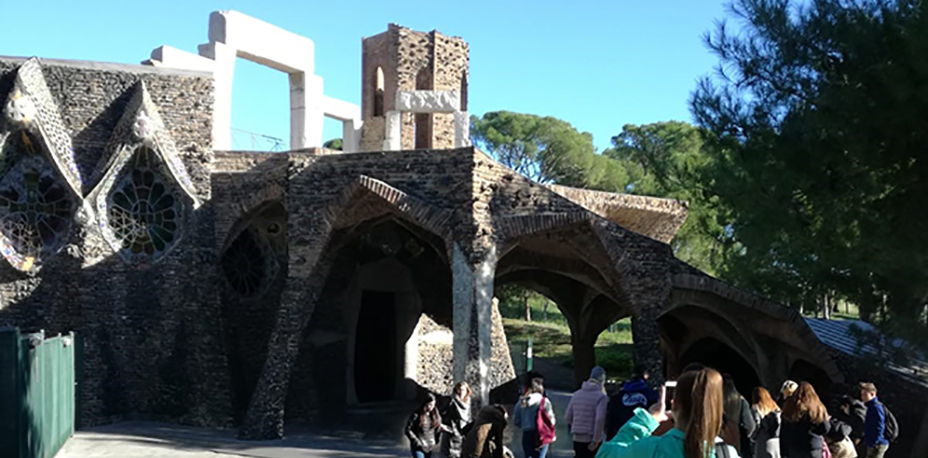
(545, 149)
(816, 128)
(335, 143)
(666, 159)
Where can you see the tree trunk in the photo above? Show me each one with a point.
(546, 310)
(868, 303)
(826, 307)
(528, 308)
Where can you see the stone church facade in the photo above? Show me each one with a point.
(234, 287)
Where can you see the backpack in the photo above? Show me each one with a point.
(544, 425)
(891, 433)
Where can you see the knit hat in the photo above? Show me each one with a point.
(598, 373)
(788, 388)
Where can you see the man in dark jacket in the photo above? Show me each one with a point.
(634, 393)
(853, 412)
(874, 423)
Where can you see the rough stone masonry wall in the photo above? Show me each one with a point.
(450, 67)
(414, 53)
(151, 342)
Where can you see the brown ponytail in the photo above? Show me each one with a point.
(699, 400)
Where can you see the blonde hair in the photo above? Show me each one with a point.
(699, 402)
(763, 402)
(804, 403)
(467, 391)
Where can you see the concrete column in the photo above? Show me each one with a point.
(473, 311)
(223, 72)
(583, 348)
(461, 129)
(393, 124)
(307, 112)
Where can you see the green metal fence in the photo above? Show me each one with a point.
(37, 393)
(521, 354)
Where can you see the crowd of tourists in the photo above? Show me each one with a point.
(700, 415)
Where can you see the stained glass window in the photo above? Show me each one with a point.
(249, 263)
(144, 210)
(35, 205)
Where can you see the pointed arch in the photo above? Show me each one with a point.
(379, 88)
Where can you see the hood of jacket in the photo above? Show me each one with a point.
(635, 384)
(532, 399)
(590, 385)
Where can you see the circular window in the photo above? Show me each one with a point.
(144, 210)
(249, 264)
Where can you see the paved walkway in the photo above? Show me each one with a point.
(160, 440)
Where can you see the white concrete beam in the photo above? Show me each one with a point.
(169, 56)
(428, 101)
(261, 42)
(341, 110)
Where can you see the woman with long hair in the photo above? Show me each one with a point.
(738, 424)
(805, 422)
(456, 418)
(767, 434)
(525, 417)
(697, 413)
(422, 428)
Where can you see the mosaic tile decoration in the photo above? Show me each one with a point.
(40, 183)
(142, 123)
(30, 84)
(36, 206)
(143, 197)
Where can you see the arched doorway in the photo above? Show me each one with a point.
(360, 348)
(714, 353)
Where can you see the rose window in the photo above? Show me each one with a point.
(144, 210)
(249, 263)
(35, 205)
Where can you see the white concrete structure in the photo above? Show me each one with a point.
(233, 35)
(424, 101)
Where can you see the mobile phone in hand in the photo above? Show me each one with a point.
(667, 392)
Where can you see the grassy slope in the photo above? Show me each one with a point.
(551, 339)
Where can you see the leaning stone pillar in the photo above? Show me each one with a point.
(473, 310)
(647, 344)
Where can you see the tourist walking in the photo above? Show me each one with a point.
(767, 416)
(875, 422)
(697, 413)
(586, 414)
(455, 419)
(526, 417)
(838, 438)
(738, 423)
(853, 412)
(485, 437)
(635, 393)
(805, 422)
(422, 428)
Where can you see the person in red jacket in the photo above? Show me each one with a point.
(586, 414)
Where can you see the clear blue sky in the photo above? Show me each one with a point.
(598, 65)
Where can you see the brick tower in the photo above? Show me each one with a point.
(401, 59)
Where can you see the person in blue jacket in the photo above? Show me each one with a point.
(697, 413)
(874, 422)
(635, 393)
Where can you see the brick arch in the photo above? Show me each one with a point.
(715, 295)
(247, 206)
(429, 217)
